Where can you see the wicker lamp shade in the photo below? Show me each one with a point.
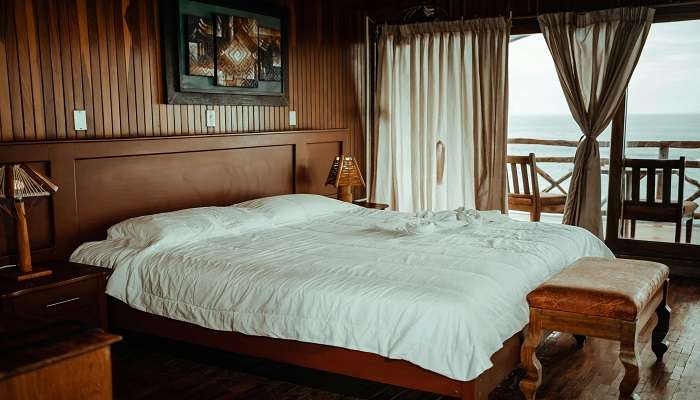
(344, 174)
(17, 182)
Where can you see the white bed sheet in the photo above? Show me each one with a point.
(445, 301)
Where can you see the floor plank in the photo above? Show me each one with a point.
(150, 368)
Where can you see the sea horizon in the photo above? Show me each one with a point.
(639, 126)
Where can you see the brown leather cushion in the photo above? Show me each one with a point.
(601, 287)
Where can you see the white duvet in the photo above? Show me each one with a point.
(445, 300)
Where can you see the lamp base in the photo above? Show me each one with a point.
(16, 275)
(345, 193)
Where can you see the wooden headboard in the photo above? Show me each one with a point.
(102, 182)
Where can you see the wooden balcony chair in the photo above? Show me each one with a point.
(658, 205)
(530, 199)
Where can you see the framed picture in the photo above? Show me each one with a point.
(224, 52)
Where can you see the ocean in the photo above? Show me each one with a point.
(639, 127)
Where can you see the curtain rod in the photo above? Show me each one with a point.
(657, 6)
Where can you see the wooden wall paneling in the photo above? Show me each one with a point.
(293, 69)
(302, 77)
(184, 118)
(13, 74)
(145, 54)
(316, 61)
(197, 119)
(103, 115)
(122, 70)
(221, 114)
(171, 117)
(163, 113)
(129, 69)
(190, 119)
(156, 67)
(56, 82)
(100, 37)
(234, 119)
(22, 54)
(35, 71)
(177, 121)
(132, 25)
(70, 46)
(104, 56)
(5, 106)
(94, 120)
(45, 60)
(113, 74)
(336, 82)
(61, 13)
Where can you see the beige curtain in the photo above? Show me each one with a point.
(441, 115)
(595, 54)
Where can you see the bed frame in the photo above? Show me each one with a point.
(99, 180)
(338, 360)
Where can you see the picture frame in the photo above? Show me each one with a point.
(229, 84)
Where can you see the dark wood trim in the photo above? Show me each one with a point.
(665, 12)
(171, 52)
(338, 360)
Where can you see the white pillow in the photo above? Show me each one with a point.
(187, 225)
(291, 208)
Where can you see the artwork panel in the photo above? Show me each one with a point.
(237, 42)
(270, 54)
(200, 45)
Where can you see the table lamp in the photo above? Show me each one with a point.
(344, 174)
(17, 182)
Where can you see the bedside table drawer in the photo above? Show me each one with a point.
(73, 301)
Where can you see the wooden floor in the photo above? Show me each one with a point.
(148, 368)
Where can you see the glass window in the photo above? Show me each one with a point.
(663, 122)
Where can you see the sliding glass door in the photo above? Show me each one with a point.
(655, 158)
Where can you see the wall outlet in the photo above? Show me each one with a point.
(80, 120)
(211, 119)
(292, 118)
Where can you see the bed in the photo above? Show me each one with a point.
(435, 303)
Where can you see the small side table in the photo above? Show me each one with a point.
(72, 292)
(367, 204)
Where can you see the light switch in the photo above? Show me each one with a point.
(292, 118)
(211, 118)
(80, 120)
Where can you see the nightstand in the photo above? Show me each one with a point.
(54, 360)
(72, 292)
(367, 204)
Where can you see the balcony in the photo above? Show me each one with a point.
(555, 171)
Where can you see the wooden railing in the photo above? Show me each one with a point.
(663, 146)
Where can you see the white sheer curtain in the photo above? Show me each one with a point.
(441, 115)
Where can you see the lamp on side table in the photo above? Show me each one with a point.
(17, 182)
(344, 174)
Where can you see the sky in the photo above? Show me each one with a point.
(665, 81)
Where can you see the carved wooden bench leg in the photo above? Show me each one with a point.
(663, 312)
(532, 366)
(580, 341)
(630, 360)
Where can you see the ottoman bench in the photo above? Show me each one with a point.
(599, 297)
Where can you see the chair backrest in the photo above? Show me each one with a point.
(523, 176)
(660, 203)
